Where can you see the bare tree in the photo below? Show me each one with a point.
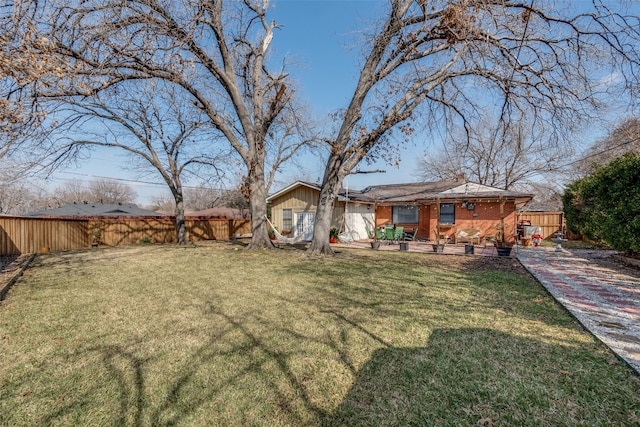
(200, 198)
(15, 197)
(102, 190)
(495, 156)
(233, 198)
(22, 118)
(23, 198)
(214, 52)
(443, 62)
(157, 127)
(623, 139)
(106, 190)
(162, 203)
(72, 191)
(547, 194)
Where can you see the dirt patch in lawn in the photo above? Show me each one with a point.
(457, 262)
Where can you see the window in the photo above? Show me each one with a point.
(405, 214)
(447, 213)
(287, 218)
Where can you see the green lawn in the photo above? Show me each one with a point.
(215, 335)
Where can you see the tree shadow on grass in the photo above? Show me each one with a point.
(246, 367)
(484, 377)
(393, 282)
(460, 377)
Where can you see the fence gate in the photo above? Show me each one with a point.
(549, 222)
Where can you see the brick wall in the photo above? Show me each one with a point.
(484, 217)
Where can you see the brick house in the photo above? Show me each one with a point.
(447, 206)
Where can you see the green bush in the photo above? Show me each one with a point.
(605, 206)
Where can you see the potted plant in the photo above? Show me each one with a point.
(333, 235)
(503, 246)
(373, 234)
(438, 246)
(469, 248)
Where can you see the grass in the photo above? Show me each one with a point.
(576, 244)
(216, 335)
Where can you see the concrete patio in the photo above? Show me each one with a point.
(423, 247)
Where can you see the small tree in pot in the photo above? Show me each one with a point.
(503, 246)
(333, 235)
(438, 246)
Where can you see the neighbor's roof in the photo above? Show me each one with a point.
(545, 206)
(413, 192)
(95, 209)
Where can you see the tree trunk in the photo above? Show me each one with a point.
(330, 187)
(181, 228)
(258, 205)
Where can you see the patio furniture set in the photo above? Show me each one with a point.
(395, 234)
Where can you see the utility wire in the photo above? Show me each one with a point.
(151, 183)
(599, 153)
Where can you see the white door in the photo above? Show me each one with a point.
(304, 225)
(358, 219)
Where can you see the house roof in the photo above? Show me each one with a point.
(544, 206)
(406, 192)
(95, 209)
(414, 192)
(293, 186)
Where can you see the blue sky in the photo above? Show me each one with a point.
(320, 38)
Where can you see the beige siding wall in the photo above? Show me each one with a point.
(301, 199)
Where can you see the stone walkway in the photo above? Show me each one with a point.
(604, 298)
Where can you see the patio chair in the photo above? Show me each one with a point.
(389, 233)
(411, 235)
(399, 234)
(370, 233)
(379, 234)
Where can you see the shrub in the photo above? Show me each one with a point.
(605, 206)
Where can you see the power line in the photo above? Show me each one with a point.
(151, 183)
(156, 184)
(599, 153)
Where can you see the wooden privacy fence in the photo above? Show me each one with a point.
(549, 222)
(25, 235)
